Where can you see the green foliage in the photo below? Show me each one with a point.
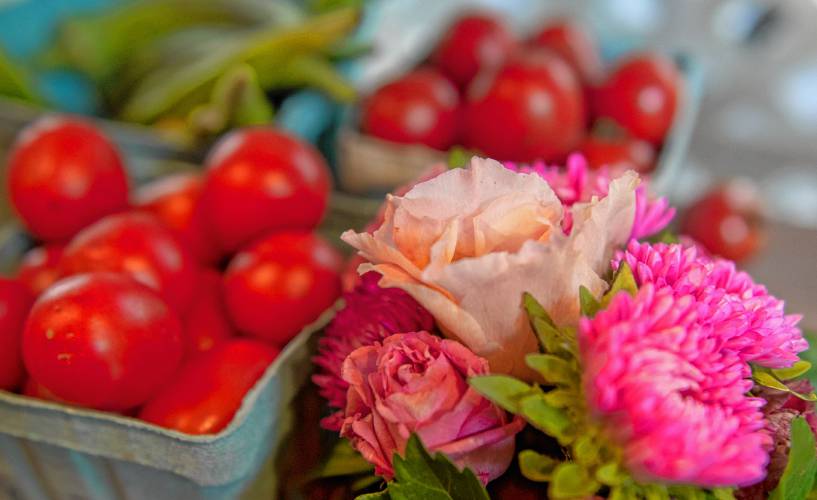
(503, 390)
(768, 378)
(343, 460)
(799, 368)
(548, 419)
(571, 480)
(535, 466)
(553, 369)
(589, 305)
(623, 281)
(798, 477)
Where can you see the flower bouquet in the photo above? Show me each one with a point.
(528, 329)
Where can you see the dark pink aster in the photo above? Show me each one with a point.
(371, 314)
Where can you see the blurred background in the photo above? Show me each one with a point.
(168, 78)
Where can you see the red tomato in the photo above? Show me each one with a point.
(262, 179)
(34, 389)
(419, 108)
(63, 174)
(727, 221)
(574, 45)
(138, 245)
(208, 390)
(619, 151)
(174, 200)
(207, 323)
(40, 267)
(15, 302)
(531, 109)
(474, 42)
(102, 340)
(641, 95)
(282, 283)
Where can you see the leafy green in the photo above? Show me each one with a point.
(549, 419)
(571, 480)
(535, 466)
(799, 368)
(343, 460)
(589, 305)
(553, 369)
(767, 378)
(622, 281)
(798, 477)
(503, 390)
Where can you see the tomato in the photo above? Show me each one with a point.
(174, 200)
(15, 301)
(208, 390)
(102, 340)
(474, 42)
(617, 150)
(727, 221)
(138, 245)
(531, 109)
(282, 283)
(262, 179)
(64, 174)
(573, 44)
(641, 95)
(421, 108)
(40, 267)
(34, 389)
(207, 323)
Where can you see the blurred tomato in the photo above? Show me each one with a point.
(641, 95)
(102, 340)
(34, 389)
(282, 283)
(573, 44)
(419, 108)
(473, 43)
(531, 109)
(262, 179)
(63, 174)
(207, 323)
(174, 200)
(208, 390)
(15, 301)
(138, 245)
(40, 267)
(615, 148)
(727, 221)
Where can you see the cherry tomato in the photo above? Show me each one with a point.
(282, 283)
(34, 389)
(419, 108)
(262, 179)
(473, 43)
(40, 267)
(641, 95)
(727, 221)
(136, 244)
(102, 340)
(531, 109)
(618, 151)
(208, 390)
(174, 200)
(64, 174)
(573, 44)
(15, 301)
(207, 323)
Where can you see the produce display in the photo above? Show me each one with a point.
(139, 303)
(529, 100)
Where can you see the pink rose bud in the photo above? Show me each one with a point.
(417, 383)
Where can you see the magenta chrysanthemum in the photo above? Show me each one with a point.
(370, 315)
(668, 393)
(746, 317)
(576, 183)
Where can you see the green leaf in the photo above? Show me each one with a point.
(343, 460)
(611, 474)
(766, 378)
(792, 372)
(665, 236)
(586, 450)
(503, 390)
(535, 309)
(622, 281)
(548, 419)
(571, 480)
(554, 370)
(798, 477)
(535, 466)
(551, 338)
(380, 495)
(419, 476)
(589, 305)
(723, 494)
(810, 354)
(561, 398)
(458, 157)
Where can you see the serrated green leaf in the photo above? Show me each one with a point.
(611, 474)
(548, 419)
(535, 466)
(571, 480)
(798, 477)
(792, 372)
(554, 370)
(623, 281)
(503, 390)
(589, 305)
(343, 460)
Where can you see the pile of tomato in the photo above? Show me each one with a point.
(527, 100)
(169, 302)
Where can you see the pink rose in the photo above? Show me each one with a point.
(417, 383)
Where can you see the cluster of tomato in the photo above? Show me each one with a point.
(540, 99)
(168, 304)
